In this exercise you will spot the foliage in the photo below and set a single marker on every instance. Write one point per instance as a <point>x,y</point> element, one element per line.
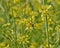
<point>29,23</point>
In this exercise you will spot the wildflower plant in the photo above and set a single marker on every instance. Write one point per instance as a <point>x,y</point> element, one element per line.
<point>29,24</point>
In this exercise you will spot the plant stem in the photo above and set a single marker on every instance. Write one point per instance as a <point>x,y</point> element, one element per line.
<point>15,29</point>
<point>47,33</point>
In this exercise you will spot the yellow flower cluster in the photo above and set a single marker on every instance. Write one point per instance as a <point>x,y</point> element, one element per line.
<point>6,25</point>
<point>4,45</point>
<point>22,38</point>
<point>14,11</point>
<point>29,11</point>
<point>33,45</point>
<point>39,25</point>
<point>29,23</point>
<point>15,1</point>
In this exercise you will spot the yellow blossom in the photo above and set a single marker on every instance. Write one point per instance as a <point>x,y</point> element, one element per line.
<point>38,25</point>
<point>5,25</point>
<point>49,0</point>
<point>23,38</point>
<point>33,45</point>
<point>15,1</point>
<point>50,21</point>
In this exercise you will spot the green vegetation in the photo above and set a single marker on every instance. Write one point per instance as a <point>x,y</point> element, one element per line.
<point>29,23</point>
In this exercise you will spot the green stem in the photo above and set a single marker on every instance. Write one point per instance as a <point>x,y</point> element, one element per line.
<point>47,33</point>
<point>15,34</point>
<point>15,29</point>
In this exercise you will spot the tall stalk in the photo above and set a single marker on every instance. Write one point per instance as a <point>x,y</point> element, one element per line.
<point>15,32</point>
<point>47,33</point>
<point>46,26</point>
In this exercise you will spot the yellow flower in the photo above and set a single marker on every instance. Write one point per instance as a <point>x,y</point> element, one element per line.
<point>27,9</point>
<point>37,5</point>
<point>13,11</point>
<point>15,1</point>
<point>39,25</point>
<point>50,21</point>
<point>48,7</point>
<point>26,40</point>
<point>23,20</point>
<point>42,18</point>
<point>50,28</point>
<point>49,0</point>
<point>14,14</point>
<point>4,45</point>
<point>57,28</point>
<point>23,38</point>
<point>6,25</point>
<point>33,45</point>
<point>7,46</point>
<point>33,13</point>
